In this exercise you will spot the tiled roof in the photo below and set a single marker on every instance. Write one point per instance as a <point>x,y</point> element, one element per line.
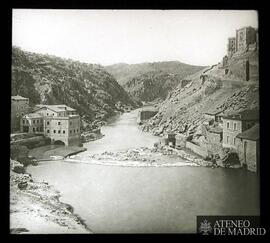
<point>18,97</point>
<point>57,108</point>
<point>246,115</point>
<point>33,115</point>
<point>213,112</point>
<point>215,129</point>
<point>251,134</point>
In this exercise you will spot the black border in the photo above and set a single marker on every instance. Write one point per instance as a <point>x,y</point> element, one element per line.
<point>125,4</point>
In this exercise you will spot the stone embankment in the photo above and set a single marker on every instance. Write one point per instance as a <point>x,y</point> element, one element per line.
<point>35,207</point>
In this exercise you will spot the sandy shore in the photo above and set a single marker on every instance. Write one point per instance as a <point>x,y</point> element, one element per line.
<point>35,208</point>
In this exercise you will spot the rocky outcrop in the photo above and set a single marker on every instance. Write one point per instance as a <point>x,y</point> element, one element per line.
<point>35,207</point>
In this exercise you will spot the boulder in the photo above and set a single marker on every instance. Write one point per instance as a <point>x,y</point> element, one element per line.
<point>19,169</point>
<point>22,185</point>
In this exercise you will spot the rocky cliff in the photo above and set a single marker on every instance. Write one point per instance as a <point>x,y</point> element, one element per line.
<point>86,87</point>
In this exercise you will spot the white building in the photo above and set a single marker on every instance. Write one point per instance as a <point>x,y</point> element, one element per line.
<point>58,122</point>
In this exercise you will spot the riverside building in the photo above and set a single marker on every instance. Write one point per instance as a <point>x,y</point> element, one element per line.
<point>58,122</point>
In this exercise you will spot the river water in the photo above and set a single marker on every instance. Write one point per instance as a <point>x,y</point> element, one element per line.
<point>114,199</point>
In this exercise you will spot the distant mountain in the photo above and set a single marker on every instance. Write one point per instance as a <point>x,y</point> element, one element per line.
<point>151,81</point>
<point>125,72</point>
<point>48,79</point>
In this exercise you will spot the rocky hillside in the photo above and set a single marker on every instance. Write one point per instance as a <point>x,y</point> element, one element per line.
<point>150,81</point>
<point>48,79</point>
<point>183,110</point>
<point>152,85</point>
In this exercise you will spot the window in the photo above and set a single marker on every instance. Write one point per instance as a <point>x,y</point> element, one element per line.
<point>74,131</point>
<point>234,126</point>
<point>64,131</point>
<point>59,123</point>
<point>34,121</point>
<point>227,139</point>
<point>234,141</point>
<point>59,131</point>
<point>70,131</point>
<point>37,129</point>
<point>34,129</point>
<point>77,130</point>
<point>54,131</point>
<point>48,123</point>
<point>37,121</point>
<point>53,114</point>
<point>228,125</point>
<point>23,121</point>
<point>48,131</point>
<point>70,123</point>
<point>47,114</point>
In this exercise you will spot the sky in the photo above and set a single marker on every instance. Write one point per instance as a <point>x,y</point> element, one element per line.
<point>105,37</point>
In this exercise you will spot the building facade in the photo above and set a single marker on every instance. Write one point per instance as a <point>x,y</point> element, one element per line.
<point>237,123</point>
<point>32,123</point>
<point>249,148</point>
<point>58,122</point>
<point>213,115</point>
<point>231,47</point>
<point>145,114</point>
<point>244,37</point>
<point>19,107</point>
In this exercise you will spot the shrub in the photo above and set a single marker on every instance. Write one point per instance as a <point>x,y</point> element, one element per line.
<point>18,152</point>
<point>231,158</point>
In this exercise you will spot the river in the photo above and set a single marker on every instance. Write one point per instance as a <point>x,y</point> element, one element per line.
<point>114,199</point>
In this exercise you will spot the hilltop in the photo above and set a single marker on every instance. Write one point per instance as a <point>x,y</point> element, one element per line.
<point>47,79</point>
<point>124,72</point>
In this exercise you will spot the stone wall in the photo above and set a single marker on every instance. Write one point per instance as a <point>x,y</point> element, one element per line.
<point>145,115</point>
<point>180,141</point>
<point>251,153</point>
<point>197,149</point>
<point>32,142</point>
<point>214,142</point>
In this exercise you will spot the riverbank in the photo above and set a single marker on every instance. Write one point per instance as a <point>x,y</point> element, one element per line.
<point>50,152</point>
<point>35,207</point>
